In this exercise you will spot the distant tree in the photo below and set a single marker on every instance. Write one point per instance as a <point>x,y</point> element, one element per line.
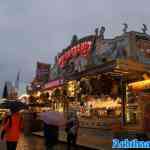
<point>5,92</point>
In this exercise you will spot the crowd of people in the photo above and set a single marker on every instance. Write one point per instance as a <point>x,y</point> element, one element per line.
<point>12,125</point>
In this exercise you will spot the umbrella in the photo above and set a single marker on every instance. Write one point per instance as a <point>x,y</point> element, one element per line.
<point>53,118</point>
<point>13,105</point>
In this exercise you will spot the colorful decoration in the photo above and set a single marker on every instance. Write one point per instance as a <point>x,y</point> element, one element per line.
<point>144,29</point>
<point>82,49</point>
<point>144,47</point>
<point>54,84</point>
<point>125,27</point>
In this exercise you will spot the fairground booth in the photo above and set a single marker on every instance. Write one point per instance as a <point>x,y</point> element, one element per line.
<point>105,80</point>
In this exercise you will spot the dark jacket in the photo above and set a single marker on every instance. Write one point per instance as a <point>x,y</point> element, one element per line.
<point>51,133</point>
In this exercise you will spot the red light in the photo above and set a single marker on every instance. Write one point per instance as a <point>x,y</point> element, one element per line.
<point>82,49</point>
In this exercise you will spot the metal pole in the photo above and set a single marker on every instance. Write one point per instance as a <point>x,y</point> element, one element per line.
<point>123,95</point>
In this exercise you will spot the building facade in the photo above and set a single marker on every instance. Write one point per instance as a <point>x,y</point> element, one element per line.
<point>98,73</point>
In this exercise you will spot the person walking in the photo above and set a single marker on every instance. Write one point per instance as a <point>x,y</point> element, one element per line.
<point>52,122</point>
<point>11,129</point>
<point>51,133</point>
<point>72,131</point>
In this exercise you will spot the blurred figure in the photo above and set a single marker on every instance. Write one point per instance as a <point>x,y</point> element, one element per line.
<point>72,130</point>
<point>51,133</point>
<point>52,122</point>
<point>11,129</point>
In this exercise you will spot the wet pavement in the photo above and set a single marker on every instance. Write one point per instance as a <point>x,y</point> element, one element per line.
<point>37,143</point>
<point>92,138</point>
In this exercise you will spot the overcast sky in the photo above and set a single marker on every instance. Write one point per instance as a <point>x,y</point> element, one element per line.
<point>35,30</point>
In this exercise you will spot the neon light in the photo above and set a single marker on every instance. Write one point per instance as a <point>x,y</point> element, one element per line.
<point>53,84</point>
<point>140,85</point>
<point>82,49</point>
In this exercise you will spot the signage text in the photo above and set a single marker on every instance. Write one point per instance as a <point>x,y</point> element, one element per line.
<point>82,49</point>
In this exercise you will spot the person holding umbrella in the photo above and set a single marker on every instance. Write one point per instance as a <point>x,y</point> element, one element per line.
<point>12,123</point>
<point>52,121</point>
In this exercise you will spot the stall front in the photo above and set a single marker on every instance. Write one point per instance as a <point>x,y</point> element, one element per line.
<point>54,88</point>
<point>137,105</point>
<point>102,69</point>
<point>103,91</point>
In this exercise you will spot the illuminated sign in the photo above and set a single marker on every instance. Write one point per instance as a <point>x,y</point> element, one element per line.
<point>141,85</point>
<point>81,49</point>
<point>54,84</point>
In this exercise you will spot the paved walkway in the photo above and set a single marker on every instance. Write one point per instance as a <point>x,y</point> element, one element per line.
<point>36,143</point>
<point>90,138</point>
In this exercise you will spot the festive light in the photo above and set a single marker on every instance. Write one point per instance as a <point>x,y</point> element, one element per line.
<point>82,49</point>
<point>140,85</point>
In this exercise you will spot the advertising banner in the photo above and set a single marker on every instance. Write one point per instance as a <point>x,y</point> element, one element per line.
<point>42,71</point>
<point>53,84</point>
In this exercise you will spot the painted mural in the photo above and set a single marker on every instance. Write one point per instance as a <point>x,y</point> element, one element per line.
<point>74,58</point>
<point>143,48</point>
<point>94,50</point>
<point>107,50</point>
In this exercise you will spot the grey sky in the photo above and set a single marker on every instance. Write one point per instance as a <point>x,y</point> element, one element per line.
<point>32,30</point>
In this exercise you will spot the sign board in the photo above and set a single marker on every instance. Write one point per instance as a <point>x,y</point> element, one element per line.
<point>81,49</point>
<point>54,84</point>
<point>42,71</point>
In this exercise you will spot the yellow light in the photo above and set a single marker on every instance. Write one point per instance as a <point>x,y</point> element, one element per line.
<point>140,85</point>
<point>38,93</point>
<point>146,77</point>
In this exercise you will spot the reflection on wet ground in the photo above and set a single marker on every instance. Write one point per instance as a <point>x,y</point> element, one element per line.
<point>36,143</point>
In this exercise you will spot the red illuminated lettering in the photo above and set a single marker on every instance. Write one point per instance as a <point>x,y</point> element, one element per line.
<point>69,54</point>
<point>78,48</point>
<point>75,53</point>
<point>72,52</point>
<point>82,49</point>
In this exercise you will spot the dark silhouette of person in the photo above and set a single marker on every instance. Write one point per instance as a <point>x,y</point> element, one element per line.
<point>51,133</point>
<point>72,131</point>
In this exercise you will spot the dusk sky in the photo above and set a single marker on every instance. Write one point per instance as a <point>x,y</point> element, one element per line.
<point>35,30</point>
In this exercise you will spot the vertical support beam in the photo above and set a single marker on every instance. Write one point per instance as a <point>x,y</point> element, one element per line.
<point>123,96</point>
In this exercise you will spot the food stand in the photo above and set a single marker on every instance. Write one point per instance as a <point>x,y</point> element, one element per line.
<point>97,72</point>
<point>138,105</point>
<point>120,65</point>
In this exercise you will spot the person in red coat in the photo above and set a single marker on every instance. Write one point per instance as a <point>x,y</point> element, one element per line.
<point>11,127</point>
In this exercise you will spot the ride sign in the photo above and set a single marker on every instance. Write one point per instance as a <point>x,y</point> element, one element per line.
<point>82,49</point>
